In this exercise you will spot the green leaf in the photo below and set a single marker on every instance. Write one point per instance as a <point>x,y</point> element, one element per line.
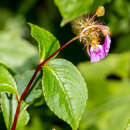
<point>7,83</point>
<point>17,52</point>
<point>36,88</point>
<point>9,102</point>
<point>48,44</point>
<point>109,93</point>
<point>64,91</point>
<point>8,106</point>
<point>71,9</point>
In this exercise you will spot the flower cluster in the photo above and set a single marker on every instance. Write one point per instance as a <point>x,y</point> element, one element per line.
<point>91,32</point>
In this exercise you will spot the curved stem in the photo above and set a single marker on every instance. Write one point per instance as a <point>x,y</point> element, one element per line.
<point>32,79</point>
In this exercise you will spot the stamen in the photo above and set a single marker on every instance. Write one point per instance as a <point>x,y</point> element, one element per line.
<point>92,18</point>
<point>95,42</point>
<point>85,29</point>
<point>88,50</point>
<point>99,12</point>
<point>104,30</point>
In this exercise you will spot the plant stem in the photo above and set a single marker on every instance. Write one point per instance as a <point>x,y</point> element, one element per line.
<point>16,117</point>
<point>32,79</point>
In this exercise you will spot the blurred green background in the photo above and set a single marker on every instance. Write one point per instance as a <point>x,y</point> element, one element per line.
<point>108,82</point>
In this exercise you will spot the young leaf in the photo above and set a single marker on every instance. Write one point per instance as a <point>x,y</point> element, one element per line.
<point>7,83</point>
<point>8,106</point>
<point>64,90</point>
<point>71,9</point>
<point>48,44</point>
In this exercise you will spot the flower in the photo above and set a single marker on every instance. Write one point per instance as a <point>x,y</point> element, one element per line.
<point>91,32</point>
<point>100,51</point>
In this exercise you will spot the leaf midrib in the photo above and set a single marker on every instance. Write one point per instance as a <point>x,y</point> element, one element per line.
<point>65,92</point>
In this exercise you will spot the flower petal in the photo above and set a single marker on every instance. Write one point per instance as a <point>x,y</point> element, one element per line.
<point>107,43</point>
<point>97,54</point>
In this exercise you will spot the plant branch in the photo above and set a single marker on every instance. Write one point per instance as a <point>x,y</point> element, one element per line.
<point>16,116</point>
<point>32,79</point>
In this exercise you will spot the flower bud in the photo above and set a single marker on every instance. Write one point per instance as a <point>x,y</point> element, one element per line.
<point>100,11</point>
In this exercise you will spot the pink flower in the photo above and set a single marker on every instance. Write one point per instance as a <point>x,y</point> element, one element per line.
<point>91,32</point>
<point>98,53</point>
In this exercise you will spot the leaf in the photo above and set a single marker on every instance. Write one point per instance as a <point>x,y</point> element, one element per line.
<point>7,83</point>
<point>109,93</point>
<point>71,9</point>
<point>64,91</point>
<point>48,44</point>
<point>9,102</point>
<point>35,90</point>
<point>8,106</point>
<point>16,52</point>
<point>17,22</point>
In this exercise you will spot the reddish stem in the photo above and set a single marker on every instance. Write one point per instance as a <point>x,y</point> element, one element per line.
<point>32,79</point>
<point>16,117</point>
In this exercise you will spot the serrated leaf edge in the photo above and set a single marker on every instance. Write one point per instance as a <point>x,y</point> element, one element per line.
<point>67,99</point>
<point>74,128</point>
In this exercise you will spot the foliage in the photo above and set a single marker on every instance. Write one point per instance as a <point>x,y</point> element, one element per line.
<point>111,86</point>
<point>14,50</point>
<point>65,95</point>
<point>64,90</point>
<point>8,106</point>
<point>59,90</point>
<point>71,9</point>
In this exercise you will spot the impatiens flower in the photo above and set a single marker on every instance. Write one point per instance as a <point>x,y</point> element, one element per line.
<point>91,32</point>
<point>100,51</point>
